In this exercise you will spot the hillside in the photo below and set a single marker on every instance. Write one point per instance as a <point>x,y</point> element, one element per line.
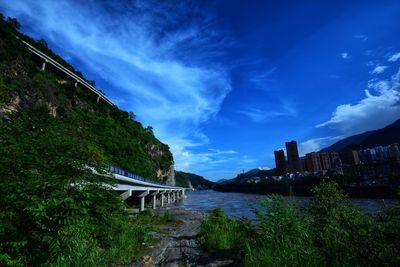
<point>199,182</point>
<point>33,97</point>
<point>381,137</point>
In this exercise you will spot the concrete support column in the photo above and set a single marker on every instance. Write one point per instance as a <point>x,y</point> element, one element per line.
<point>154,199</point>
<point>142,200</point>
<point>162,199</point>
<point>44,65</point>
<point>154,202</point>
<point>142,204</point>
<point>76,84</point>
<point>98,99</point>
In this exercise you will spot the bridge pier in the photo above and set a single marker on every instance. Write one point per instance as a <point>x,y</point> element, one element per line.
<point>142,200</point>
<point>76,84</point>
<point>162,198</point>
<point>44,65</point>
<point>154,199</point>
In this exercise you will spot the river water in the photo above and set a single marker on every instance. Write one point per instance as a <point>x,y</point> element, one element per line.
<point>237,204</point>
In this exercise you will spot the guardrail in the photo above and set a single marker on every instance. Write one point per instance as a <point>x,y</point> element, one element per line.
<point>122,172</point>
<point>66,71</point>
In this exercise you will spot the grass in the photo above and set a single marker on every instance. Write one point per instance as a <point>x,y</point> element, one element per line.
<point>330,231</point>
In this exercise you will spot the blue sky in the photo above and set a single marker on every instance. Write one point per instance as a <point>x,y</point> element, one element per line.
<point>225,82</point>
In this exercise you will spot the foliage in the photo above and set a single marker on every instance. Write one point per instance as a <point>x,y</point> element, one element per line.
<point>219,232</point>
<point>330,231</point>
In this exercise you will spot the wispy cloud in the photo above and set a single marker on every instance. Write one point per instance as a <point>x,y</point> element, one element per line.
<point>375,110</point>
<point>260,116</point>
<point>345,55</point>
<point>379,69</point>
<point>361,37</point>
<point>394,57</point>
<point>166,74</point>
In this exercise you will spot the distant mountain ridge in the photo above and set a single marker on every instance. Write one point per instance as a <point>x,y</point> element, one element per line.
<point>185,179</point>
<point>380,137</point>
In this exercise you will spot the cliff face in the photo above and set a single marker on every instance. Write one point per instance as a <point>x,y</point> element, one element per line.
<point>113,133</point>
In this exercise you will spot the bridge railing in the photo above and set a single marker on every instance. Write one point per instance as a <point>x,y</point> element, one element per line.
<point>122,172</point>
<point>48,59</point>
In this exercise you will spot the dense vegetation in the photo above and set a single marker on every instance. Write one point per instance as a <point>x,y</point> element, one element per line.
<point>119,139</point>
<point>55,211</point>
<point>184,178</point>
<point>330,231</point>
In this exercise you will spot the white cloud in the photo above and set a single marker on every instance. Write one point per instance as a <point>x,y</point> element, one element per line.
<point>361,37</point>
<point>379,69</point>
<point>394,57</point>
<point>379,107</point>
<point>316,144</point>
<point>344,55</point>
<point>221,152</point>
<point>165,74</point>
<point>260,116</point>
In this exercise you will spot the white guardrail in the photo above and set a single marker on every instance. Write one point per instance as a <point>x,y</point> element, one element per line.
<point>67,72</point>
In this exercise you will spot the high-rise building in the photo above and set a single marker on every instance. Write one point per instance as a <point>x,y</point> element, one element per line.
<point>325,160</point>
<point>280,162</point>
<point>350,157</point>
<point>312,162</point>
<point>294,164</point>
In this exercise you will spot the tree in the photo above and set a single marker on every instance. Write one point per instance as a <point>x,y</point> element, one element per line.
<point>92,83</point>
<point>131,116</point>
<point>13,22</point>
<point>42,42</point>
<point>149,130</point>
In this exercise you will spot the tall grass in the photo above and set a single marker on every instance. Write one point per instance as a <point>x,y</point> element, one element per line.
<point>330,231</point>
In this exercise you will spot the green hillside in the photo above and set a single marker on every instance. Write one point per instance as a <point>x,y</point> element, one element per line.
<point>112,133</point>
<point>183,179</point>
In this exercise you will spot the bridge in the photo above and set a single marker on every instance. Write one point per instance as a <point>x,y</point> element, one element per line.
<point>133,186</point>
<point>78,80</point>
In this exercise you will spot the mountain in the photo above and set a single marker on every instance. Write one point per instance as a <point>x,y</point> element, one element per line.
<point>184,179</point>
<point>35,101</point>
<point>221,181</point>
<point>381,137</point>
<point>253,174</point>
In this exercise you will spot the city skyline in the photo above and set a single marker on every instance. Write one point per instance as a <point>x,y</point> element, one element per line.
<point>224,83</point>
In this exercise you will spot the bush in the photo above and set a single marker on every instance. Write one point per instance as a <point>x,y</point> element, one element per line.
<point>330,231</point>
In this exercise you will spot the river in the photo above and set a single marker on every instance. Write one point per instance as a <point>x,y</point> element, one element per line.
<point>237,204</point>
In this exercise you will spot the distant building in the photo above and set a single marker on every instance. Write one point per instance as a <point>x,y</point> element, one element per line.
<point>303,162</point>
<point>294,164</point>
<point>394,150</point>
<point>325,160</point>
<point>350,157</point>
<point>312,162</point>
<point>280,162</point>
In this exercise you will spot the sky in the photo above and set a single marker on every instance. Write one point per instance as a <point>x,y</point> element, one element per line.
<point>225,83</point>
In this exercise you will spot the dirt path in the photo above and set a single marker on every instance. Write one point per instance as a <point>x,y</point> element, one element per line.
<point>180,246</point>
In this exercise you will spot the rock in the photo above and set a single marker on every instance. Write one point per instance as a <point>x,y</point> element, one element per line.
<point>147,261</point>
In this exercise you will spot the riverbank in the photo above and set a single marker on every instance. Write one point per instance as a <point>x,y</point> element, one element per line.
<point>180,245</point>
<point>285,189</point>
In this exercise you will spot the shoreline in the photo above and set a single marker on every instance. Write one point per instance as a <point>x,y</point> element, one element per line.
<point>180,246</point>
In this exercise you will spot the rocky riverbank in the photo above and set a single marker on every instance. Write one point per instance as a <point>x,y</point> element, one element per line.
<point>180,246</point>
